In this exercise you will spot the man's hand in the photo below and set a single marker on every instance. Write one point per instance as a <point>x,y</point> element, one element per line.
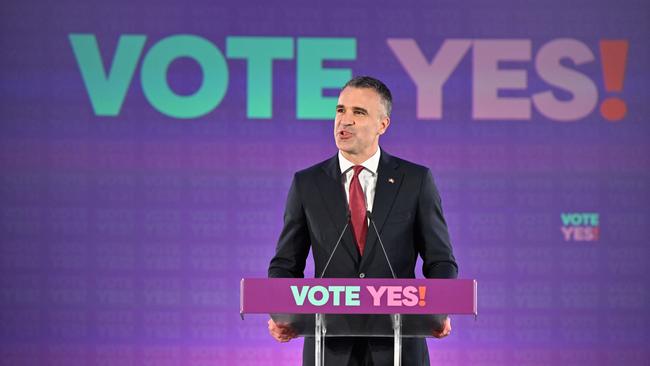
<point>445,331</point>
<point>281,332</point>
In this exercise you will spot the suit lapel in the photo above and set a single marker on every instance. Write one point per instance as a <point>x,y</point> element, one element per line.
<point>333,195</point>
<point>389,180</point>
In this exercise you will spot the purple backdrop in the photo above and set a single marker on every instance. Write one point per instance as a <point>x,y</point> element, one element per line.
<point>123,239</point>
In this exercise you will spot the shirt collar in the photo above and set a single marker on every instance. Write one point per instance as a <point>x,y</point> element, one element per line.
<point>372,164</point>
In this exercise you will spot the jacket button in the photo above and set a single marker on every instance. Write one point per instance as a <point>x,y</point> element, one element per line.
<point>362,275</point>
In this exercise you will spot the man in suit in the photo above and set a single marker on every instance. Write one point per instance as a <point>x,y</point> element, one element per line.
<point>405,207</point>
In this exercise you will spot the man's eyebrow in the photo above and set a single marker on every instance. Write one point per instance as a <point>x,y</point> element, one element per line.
<point>353,108</point>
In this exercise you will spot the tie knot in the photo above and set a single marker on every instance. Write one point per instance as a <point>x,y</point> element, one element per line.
<point>357,170</point>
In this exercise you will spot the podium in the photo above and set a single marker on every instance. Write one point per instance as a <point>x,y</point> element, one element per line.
<point>350,307</point>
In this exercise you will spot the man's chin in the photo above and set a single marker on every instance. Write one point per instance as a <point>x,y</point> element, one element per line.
<point>341,145</point>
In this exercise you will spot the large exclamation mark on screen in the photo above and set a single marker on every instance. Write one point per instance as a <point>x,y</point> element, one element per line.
<point>613,56</point>
<point>423,295</point>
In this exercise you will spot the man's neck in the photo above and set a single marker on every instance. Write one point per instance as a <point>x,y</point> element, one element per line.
<point>359,159</point>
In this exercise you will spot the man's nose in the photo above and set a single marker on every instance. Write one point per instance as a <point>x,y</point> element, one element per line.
<point>347,119</point>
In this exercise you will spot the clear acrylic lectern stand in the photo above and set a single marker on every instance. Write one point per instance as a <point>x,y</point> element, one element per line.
<point>321,326</point>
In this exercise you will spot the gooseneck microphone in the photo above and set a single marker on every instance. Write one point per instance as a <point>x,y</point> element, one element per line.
<point>372,222</point>
<point>347,223</point>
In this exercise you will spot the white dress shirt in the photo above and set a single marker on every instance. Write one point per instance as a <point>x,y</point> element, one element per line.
<point>367,177</point>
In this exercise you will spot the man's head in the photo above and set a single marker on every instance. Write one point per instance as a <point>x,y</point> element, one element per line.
<point>362,115</point>
<point>368,82</point>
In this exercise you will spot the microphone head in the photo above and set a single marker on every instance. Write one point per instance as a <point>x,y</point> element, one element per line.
<point>369,215</point>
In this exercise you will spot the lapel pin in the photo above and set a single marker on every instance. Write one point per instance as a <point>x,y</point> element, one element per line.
<point>391,180</point>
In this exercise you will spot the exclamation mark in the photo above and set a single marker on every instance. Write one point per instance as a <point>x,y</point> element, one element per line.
<point>423,295</point>
<point>613,56</point>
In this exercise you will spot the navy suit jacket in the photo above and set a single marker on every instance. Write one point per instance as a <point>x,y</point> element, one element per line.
<point>408,214</point>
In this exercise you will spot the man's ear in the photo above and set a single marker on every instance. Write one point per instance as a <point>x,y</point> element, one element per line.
<point>384,123</point>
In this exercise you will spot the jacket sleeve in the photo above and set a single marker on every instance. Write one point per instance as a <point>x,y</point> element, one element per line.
<point>293,245</point>
<point>431,236</point>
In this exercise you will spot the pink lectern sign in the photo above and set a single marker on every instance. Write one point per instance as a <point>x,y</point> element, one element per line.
<point>357,296</point>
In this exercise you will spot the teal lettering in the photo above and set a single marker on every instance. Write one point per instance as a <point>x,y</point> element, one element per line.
<point>566,218</point>
<point>106,90</point>
<point>107,86</point>
<point>312,296</point>
<point>260,53</point>
<point>312,77</point>
<point>575,219</point>
<point>352,296</point>
<point>154,76</point>
<point>299,296</point>
<point>336,294</point>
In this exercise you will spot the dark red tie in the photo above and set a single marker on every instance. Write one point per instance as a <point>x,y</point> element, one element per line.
<point>358,210</point>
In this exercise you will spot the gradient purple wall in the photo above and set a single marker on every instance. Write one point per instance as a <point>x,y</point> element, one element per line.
<point>123,239</point>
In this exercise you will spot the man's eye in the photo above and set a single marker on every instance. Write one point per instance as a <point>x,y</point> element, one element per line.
<point>359,112</point>
<point>339,110</point>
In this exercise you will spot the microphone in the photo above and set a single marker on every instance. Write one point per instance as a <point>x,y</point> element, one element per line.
<point>369,214</point>
<point>347,223</point>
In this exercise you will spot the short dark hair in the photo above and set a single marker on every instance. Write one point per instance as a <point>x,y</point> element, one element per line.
<point>376,85</point>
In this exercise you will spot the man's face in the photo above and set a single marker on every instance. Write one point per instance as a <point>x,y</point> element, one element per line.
<point>360,120</point>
